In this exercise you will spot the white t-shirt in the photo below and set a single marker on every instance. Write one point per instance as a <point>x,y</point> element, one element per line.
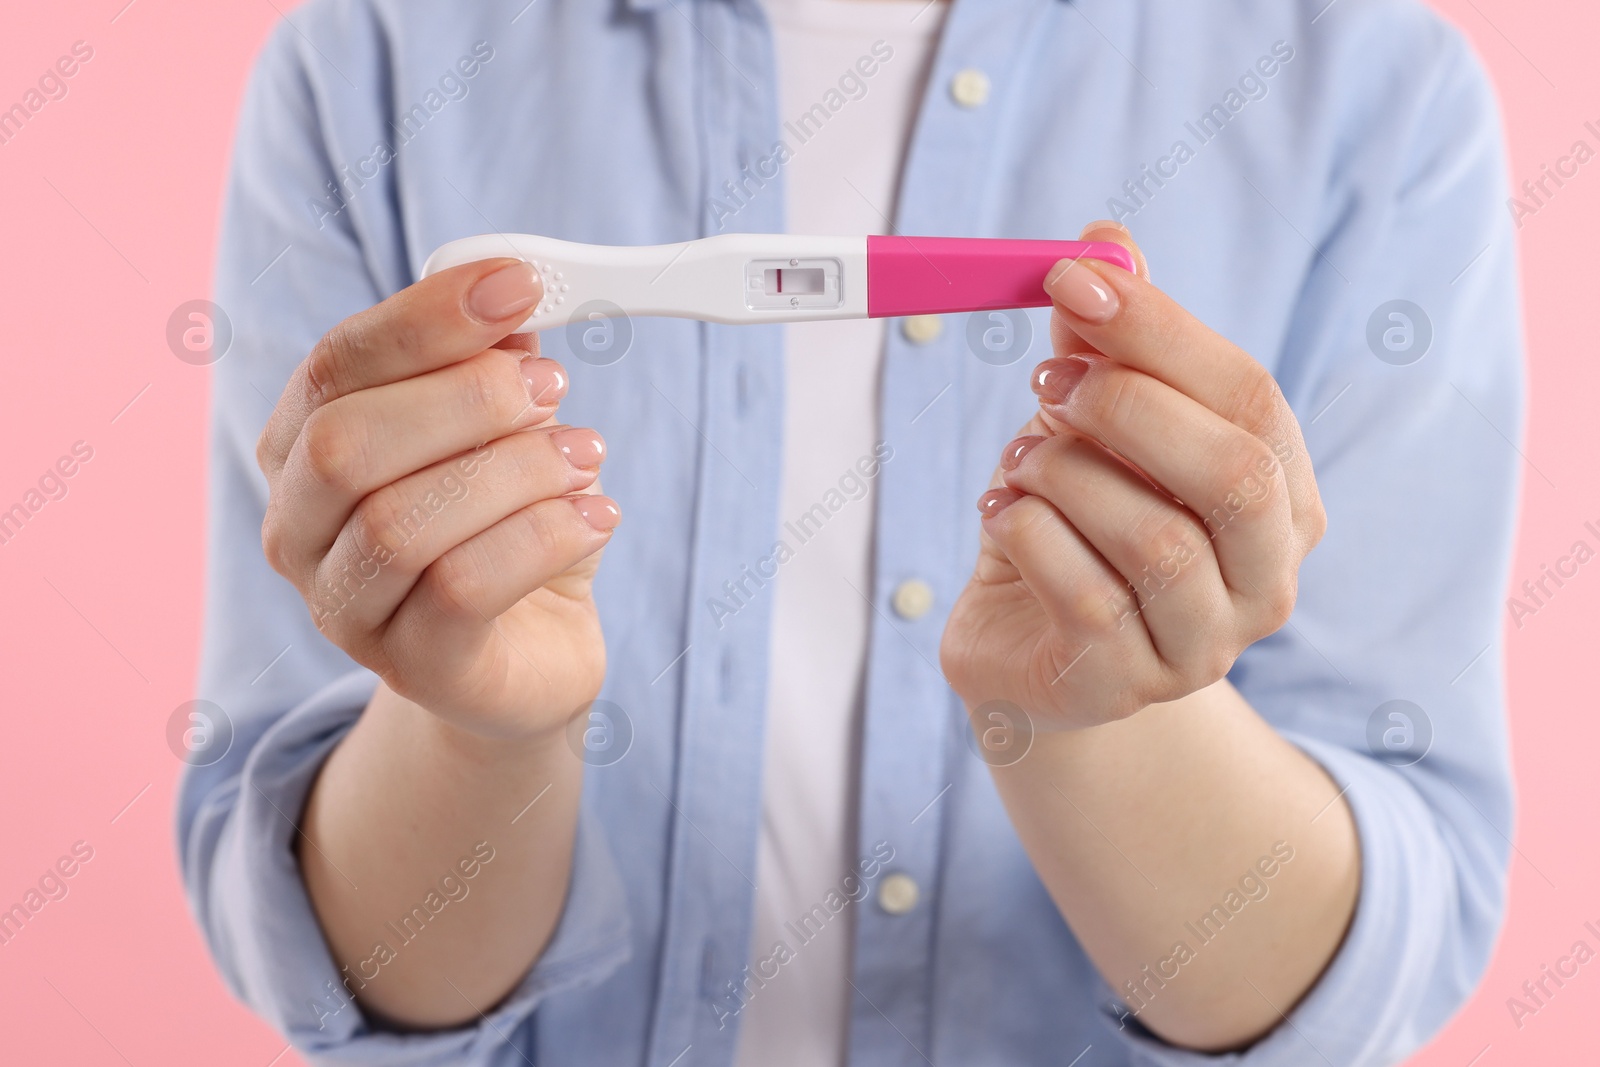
<point>841,178</point>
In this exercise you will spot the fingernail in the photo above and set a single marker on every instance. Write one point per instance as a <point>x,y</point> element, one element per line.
<point>545,379</point>
<point>1105,224</point>
<point>995,501</point>
<point>583,447</point>
<point>601,512</point>
<point>509,290</point>
<point>1055,379</point>
<point>1075,286</point>
<point>1011,455</point>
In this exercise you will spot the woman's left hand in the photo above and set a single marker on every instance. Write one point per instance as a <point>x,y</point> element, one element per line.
<point>1147,526</point>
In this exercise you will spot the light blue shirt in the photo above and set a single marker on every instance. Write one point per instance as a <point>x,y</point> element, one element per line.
<point>1284,209</point>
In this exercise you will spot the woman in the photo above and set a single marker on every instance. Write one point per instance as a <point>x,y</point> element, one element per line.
<point>771,773</point>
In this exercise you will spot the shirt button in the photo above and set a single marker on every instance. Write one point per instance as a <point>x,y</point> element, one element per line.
<point>898,893</point>
<point>970,87</point>
<point>912,599</point>
<point>922,329</point>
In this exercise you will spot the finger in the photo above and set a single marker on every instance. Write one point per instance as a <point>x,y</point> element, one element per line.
<point>993,566</point>
<point>1116,232</point>
<point>1158,547</point>
<point>1087,602</point>
<point>1127,319</point>
<point>458,598</point>
<point>1061,334</point>
<point>361,442</point>
<point>440,320</point>
<point>402,529</point>
<point>1231,480</point>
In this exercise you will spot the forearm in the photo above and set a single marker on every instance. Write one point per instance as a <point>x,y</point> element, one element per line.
<point>400,804</point>
<point>1140,828</point>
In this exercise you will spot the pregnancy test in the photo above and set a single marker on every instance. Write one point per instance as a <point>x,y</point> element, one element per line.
<point>758,277</point>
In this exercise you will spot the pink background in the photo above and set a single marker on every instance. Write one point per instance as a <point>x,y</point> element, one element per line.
<point>110,200</point>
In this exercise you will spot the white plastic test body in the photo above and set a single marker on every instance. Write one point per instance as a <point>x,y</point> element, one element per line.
<point>731,278</point>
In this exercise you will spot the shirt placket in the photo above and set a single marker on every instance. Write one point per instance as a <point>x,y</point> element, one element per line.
<point>912,725</point>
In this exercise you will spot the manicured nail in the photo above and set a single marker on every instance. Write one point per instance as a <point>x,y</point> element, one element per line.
<point>509,290</point>
<point>601,512</point>
<point>546,381</point>
<point>1075,285</point>
<point>995,501</point>
<point>1055,379</point>
<point>1011,455</point>
<point>583,447</point>
<point>1105,224</point>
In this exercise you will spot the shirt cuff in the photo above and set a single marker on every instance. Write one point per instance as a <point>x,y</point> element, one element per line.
<point>1367,1007</point>
<point>265,934</point>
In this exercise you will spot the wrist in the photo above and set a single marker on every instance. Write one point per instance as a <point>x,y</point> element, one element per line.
<point>476,749</point>
<point>988,713</point>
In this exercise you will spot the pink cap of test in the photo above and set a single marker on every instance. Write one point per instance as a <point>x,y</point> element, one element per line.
<point>941,275</point>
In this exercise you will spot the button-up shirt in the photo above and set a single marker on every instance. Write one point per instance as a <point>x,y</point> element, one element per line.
<point>1320,183</point>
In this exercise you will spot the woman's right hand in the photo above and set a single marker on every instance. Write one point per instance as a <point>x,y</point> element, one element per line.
<point>432,512</point>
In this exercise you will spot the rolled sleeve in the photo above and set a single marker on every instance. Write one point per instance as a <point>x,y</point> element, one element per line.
<point>1380,991</point>
<point>255,910</point>
<point>1402,601</point>
<point>284,695</point>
